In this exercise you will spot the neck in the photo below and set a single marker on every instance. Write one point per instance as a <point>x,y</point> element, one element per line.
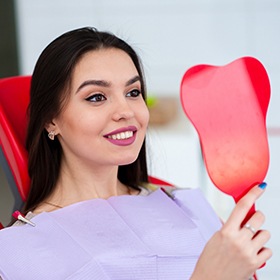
<point>82,183</point>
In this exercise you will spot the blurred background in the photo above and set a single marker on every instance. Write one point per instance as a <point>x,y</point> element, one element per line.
<point>170,37</point>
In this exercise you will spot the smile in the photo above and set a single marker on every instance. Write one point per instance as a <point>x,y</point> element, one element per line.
<point>121,136</point>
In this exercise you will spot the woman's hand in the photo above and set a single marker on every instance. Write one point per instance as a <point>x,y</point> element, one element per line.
<point>236,252</point>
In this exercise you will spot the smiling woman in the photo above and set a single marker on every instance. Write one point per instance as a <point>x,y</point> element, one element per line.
<point>93,85</point>
<point>93,213</point>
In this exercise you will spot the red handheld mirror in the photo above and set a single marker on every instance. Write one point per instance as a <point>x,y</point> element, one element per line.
<point>227,105</point>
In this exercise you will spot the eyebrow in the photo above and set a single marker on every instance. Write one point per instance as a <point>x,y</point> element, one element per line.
<point>133,80</point>
<point>103,83</point>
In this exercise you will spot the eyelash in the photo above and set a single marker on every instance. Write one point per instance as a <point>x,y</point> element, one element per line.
<point>137,91</point>
<point>99,97</point>
<point>94,96</point>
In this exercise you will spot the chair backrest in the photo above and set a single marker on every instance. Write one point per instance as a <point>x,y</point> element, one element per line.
<point>14,100</point>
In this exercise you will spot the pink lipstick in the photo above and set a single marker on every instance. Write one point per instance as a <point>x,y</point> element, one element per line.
<point>123,136</point>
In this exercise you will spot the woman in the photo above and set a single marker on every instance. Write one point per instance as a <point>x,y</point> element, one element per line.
<point>95,215</point>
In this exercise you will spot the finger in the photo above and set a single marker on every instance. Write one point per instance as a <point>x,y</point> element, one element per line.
<point>260,239</point>
<point>263,256</point>
<point>244,205</point>
<point>254,224</point>
<point>250,228</point>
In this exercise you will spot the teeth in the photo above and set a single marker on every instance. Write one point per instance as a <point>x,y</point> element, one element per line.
<point>122,135</point>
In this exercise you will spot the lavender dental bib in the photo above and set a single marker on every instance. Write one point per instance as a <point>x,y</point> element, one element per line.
<point>124,237</point>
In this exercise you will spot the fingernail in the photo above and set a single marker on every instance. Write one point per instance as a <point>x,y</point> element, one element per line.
<point>263,185</point>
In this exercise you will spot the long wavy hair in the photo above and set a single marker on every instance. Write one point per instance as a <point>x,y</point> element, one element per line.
<point>50,80</point>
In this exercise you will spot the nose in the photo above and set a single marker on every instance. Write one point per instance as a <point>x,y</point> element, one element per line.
<point>122,110</point>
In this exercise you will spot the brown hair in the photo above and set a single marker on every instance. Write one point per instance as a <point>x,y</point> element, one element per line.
<point>50,79</point>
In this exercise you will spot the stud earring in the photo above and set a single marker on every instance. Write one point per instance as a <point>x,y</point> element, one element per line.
<point>51,135</point>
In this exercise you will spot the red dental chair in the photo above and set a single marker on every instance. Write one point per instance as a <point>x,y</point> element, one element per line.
<point>14,99</point>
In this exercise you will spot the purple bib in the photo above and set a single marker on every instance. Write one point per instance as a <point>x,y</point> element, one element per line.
<point>123,237</point>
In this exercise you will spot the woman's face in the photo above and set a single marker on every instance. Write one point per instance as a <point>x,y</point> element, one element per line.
<point>105,119</point>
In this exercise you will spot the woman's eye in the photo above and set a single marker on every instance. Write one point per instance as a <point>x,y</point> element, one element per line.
<point>133,93</point>
<point>96,98</point>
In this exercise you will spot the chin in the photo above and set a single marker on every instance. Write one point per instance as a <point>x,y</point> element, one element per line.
<point>126,161</point>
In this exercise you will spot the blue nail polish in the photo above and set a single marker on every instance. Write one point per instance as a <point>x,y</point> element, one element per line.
<point>263,185</point>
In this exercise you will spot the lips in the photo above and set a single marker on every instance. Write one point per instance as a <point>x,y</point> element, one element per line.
<point>123,136</point>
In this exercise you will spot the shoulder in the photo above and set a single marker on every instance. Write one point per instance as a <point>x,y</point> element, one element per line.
<point>194,205</point>
<point>148,188</point>
<point>171,190</point>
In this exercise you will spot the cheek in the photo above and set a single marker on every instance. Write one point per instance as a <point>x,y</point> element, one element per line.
<point>90,125</point>
<point>77,124</point>
<point>144,115</point>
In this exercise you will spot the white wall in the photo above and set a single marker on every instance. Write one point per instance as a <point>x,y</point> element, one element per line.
<point>171,36</point>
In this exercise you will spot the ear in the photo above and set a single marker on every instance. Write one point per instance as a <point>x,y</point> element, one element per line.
<point>52,127</point>
<point>52,130</point>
